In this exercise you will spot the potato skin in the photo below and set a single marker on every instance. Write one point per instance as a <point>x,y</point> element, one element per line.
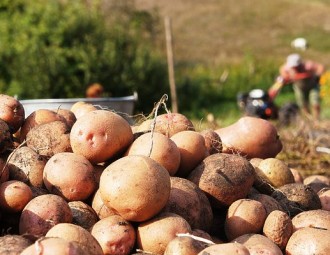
<point>296,198</point>
<point>13,244</point>
<point>83,214</point>
<point>189,201</point>
<point>74,233</point>
<point>100,136</point>
<point>184,245</point>
<point>49,138</point>
<point>69,175</point>
<point>258,244</point>
<point>119,240</point>
<point>42,213</point>
<point>224,249</point>
<point>224,178</point>
<point>27,165</point>
<point>154,235</point>
<point>244,216</point>
<point>135,186</point>
<point>251,137</point>
<point>312,218</point>
<point>308,241</point>
<point>278,227</point>
<point>12,112</point>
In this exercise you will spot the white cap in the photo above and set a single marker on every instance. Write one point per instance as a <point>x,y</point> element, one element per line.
<point>293,60</point>
<point>299,43</point>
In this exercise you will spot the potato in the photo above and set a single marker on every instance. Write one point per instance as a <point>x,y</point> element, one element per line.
<point>317,182</point>
<point>225,248</point>
<point>251,137</point>
<point>312,218</point>
<point>135,186</point>
<point>270,203</point>
<point>296,198</point>
<point>324,195</point>
<point>13,244</point>
<point>14,195</point>
<point>155,234</point>
<point>100,208</point>
<point>27,165</point>
<point>244,216</point>
<point>224,178</point>
<point>278,228</point>
<point>52,246</point>
<point>68,115</point>
<point>38,117</point>
<point>192,149</point>
<point>158,147</point>
<point>189,201</point>
<point>100,135</point>
<point>83,214</point>
<point>275,172</point>
<point>258,244</point>
<point>80,108</point>
<point>115,235</point>
<point>42,213</point>
<point>74,233</point>
<point>307,241</point>
<point>297,175</point>
<point>6,141</point>
<point>4,170</point>
<point>171,123</point>
<point>49,138</point>
<point>185,245</point>
<point>12,112</point>
<point>69,175</point>
<point>213,141</point>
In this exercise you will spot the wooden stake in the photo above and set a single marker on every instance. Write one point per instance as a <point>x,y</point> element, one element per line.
<point>170,63</point>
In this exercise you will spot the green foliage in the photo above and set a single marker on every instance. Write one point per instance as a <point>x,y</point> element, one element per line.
<point>55,49</point>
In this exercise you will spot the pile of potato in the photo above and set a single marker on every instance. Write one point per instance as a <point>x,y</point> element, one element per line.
<point>86,181</point>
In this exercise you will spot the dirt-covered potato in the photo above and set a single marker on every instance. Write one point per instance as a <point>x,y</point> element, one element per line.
<point>4,170</point>
<point>83,214</point>
<point>307,241</point>
<point>317,182</point>
<point>278,228</point>
<point>296,198</point>
<point>121,237</point>
<point>49,138</point>
<point>6,141</point>
<point>312,218</point>
<point>74,233</point>
<point>213,141</point>
<point>27,165</point>
<point>224,178</point>
<point>42,213</point>
<point>324,195</point>
<point>38,117</point>
<point>189,201</point>
<point>13,244</point>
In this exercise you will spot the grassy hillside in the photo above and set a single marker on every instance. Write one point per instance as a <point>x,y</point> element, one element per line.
<point>219,31</point>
